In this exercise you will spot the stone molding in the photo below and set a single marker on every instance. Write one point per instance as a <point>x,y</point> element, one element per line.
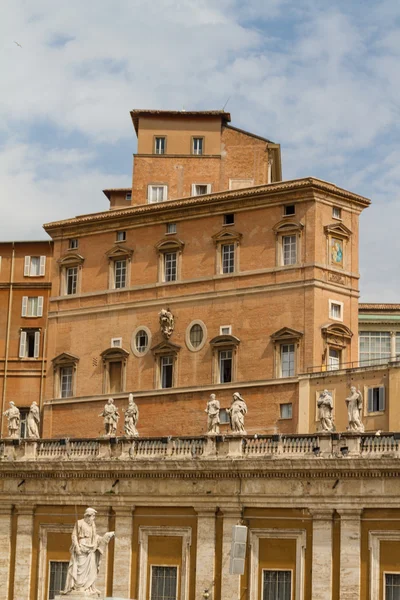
<point>374,542</point>
<point>288,534</point>
<point>144,533</point>
<point>44,530</point>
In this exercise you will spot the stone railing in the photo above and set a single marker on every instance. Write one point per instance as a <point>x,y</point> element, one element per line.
<point>337,445</point>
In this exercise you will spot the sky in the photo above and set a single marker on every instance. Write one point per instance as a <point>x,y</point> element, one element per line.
<point>320,78</point>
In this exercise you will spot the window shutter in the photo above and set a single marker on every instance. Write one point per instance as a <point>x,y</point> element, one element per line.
<point>382,398</point>
<point>22,344</point>
<point>40,306</point>
<point>27,266</point>
<point>42,265</point>
<point>370,400</point>
<point>208,188</point>
<point>193,189</point>
<point>37,344</point>
<point>24,305</point>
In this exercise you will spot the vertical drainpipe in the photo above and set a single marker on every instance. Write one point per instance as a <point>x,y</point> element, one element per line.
<point>7,338</point>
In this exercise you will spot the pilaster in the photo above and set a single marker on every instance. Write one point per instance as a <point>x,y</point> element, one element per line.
<point>230,584</point>
<point>23,553</point>
<point>350,553</point>
<point>5,545</point>
<point>123,552</point>
<point>205,552</point>
<point>322,554</point>
<point>101,528</point>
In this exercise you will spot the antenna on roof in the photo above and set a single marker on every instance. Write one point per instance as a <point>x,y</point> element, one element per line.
<point>226,103</point>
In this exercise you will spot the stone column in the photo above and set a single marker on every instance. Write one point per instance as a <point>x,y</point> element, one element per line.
<point>23,553</point>
<point>322,554</point>
<point>205,552</point>
<point>230,584</point>
<point>350,553</point>
<point>101,528</point>
<point>392,345</point>
<point>123,552</point>
<point>5,545</point>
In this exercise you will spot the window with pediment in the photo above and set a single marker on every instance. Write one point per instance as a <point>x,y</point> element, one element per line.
<point>169,259</point>
<point>166,360</point>
<point>114,369</point>
<point>227,244</point>
<point>225,356</point>
<point>286,352</point>
<point>70,274</point>
<point>65,369</point>
<point>288,242</point>
<point>119,258</point>
<point>337,238</point>
<point>337,340</point>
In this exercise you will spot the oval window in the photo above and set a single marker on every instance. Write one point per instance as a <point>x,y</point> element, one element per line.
<point>196,335</point>
<point>141,341</point>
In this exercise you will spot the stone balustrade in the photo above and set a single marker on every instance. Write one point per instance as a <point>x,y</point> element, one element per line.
<point>339,445</point>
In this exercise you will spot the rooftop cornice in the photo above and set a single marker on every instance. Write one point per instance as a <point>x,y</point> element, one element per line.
<point>148,112</point>
<point>268,190</point>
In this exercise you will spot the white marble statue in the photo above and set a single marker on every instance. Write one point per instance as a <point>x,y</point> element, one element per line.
<point>325,409</point>
<point>237,412</point>
<point>14,421</point>
<point>354,410</point>
<point>111,416</point>
<point>212,411</point>
<point>86,551</point>
<point>33,422</point>
<point>131,418</point>
<point>167,322</point>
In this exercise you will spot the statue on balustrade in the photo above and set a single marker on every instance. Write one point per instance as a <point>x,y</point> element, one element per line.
<point>354,404</point>
<point>86,551</point>
<point>237,412</point>
<point>111,416</point>
<point>325,410</point>
<point>131,418</point>
<point>14,421</point>
<point>33,422</point>
<point>212,411</point>
<point>167,322</point>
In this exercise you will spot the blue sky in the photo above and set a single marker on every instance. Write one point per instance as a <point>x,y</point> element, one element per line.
<point>321,78</point>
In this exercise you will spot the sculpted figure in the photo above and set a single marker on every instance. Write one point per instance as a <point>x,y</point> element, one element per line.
<point>325,408</point>
<point>212,411</point>
<point>167,322</point>
<point>111,416</point>
<point>354,410</point>
<point>33,422</point>
<point>131,418</point>
<point>14,421</point>
<point>237,412</point>
<point>86,551</point>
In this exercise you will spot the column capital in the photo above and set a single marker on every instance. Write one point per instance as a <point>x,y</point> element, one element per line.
<point>231,513</point>
<point>124,511</point>
<point>349,514</point>
<point>205,511</point>
<point>23,509</point>
<point>6,509</point>
<point>321,514</point>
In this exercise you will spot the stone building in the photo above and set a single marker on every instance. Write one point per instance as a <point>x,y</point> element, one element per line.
<point>209,275</point>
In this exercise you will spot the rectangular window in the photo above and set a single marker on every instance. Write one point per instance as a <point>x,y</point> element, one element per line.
<point>120,273</point>
<point>170,266</point>
<point>57,577</point>
<point>200,189</point>
<point>115,374</point>
<point>286,410</point>
<point>171,227</point>
<point>376,399</point>
<point>116,342</point>
<point>121,236</point>
<point>225,366</point>
<point>23,415</point>
<point>289,250</point>
<point>73,244</point>
<point>128,196</point>
<point>32,306</point>
<point>289,209</point>
<point>159,145</point>
<point>334,358</point>
<point>164,582</point>
<point>392,586</point>
<point>34,266</point>
<point>336,310</point>
<point>198,145</point>
<point>157,193</point>
<point>375,347</point>
<point>287,360</point>
<point>229,219</point>
<point>277,585</point>
<point>166,368</point>
<point>71,280</point>
<point>225,330</point>
<point>336,212</point>
<point>223,416</point>
<point>228,258</point>
<point>66,375</point>
<point>29,343</point>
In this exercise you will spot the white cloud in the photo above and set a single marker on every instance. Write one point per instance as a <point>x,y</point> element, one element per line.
<point>320,78</point>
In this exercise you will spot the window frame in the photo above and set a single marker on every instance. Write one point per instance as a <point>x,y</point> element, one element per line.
<point>165,348</point>
<point>114,354</point>
<point>162,366</point>
<point>187,335</point>
<point>208,187</point>
<point>133,341</point>
<point>331,366</point>
<point>162,186</point>
<point>160,137</point>
<point>381,399</point>
<point>73,243</point>
<point>219,344</point>
<point>164,566</point>
<point>288,228</point>
<point>23,343</point>
<point>70,261</point>
<point>120,236</point>
<point>28,266</point>
<point>170,266</point>
<point>193,151</point>
<point>341,306</point>
<point>115,255</point>
<point>173,228</point>
<point>225,219</point>
<point>66,562</point>
<point>231,263</point>
<point>116,339</point>
<point>163,248</point>
<point>286,336</point>
<point>61,361</point>
<point>281,417</point>
<point>286,207</point>
<point>376,336</point>
<point>23,415</point>
<point>275,570</point>
<point>25,307</point>
<point>339,215</point>
<point>122,275</point>
<point>281,347</point>
<point>290,237</point>
<point>71,387</point>
<point>384,581</point>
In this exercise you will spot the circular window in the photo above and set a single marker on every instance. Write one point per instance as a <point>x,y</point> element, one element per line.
<point>141,339</point>
<point>196,335</point>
